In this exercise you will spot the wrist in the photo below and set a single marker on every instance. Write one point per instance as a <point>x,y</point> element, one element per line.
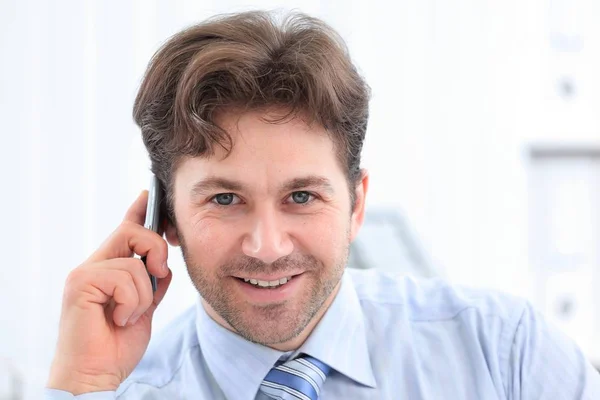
<point>78,383</point>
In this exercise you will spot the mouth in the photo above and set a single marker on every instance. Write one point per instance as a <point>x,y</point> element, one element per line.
<point>270,289</point>
<point>268,284</point>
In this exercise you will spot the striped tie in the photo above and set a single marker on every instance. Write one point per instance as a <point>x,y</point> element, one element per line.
<point>300,378</point>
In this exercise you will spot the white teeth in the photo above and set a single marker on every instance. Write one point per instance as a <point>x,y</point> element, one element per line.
<point>278,282</point>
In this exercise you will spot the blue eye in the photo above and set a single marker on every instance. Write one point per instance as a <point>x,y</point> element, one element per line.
<point>224,199</point>
<point>301,197</point>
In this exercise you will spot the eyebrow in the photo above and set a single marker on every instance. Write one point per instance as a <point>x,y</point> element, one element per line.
<point>312,181</point>
<point>212,184</point>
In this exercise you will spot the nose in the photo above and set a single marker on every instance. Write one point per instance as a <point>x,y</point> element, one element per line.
<point>267,239</point>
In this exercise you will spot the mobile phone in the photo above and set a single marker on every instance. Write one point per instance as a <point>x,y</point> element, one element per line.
<point>153,215</point>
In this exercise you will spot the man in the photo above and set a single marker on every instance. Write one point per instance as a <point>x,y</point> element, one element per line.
<point>255,129</point>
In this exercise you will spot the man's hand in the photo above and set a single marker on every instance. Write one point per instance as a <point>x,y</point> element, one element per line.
<point>107,308</point>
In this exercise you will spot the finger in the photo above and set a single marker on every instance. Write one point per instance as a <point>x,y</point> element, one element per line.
<point>163,286</point>
<point>137,211</point>
<point>130,238</point>
<point>126,299</point>
<point>100,286</point>
<point>136,268</point>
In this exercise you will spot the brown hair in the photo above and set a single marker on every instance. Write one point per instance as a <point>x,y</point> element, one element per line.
<point>249,61</point>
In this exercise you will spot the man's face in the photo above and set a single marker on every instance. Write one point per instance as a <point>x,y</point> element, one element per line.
<point>265,231</point>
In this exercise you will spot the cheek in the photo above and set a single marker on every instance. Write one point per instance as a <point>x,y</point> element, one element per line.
<point>208,242</point>
<point>326,239</point>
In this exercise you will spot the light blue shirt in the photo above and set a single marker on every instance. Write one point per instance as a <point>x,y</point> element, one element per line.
<point>384,338</point>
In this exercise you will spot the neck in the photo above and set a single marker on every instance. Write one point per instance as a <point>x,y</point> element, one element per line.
<point>295,342</point>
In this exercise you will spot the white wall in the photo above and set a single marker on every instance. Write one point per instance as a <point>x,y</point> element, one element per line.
<point>459,89</point>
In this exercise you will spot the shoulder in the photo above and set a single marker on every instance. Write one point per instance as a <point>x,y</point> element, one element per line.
<point>166,354</point>
<point>432,299</point>
<point>465,316</point>
<point>470,330</point>
<point>489,335</point>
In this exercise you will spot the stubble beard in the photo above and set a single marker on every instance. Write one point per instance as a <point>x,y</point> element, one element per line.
<point>269,324</point>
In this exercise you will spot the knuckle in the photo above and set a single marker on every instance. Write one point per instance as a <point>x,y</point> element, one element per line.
<point>71,284</point>
<point>127,224</point>
<point>134,263</point>
<point>124,229</point>
<point>127,288</point>
<point>132,291</point>
<point>124,277</point>
<point>75,281</point>
<point>75,276</point>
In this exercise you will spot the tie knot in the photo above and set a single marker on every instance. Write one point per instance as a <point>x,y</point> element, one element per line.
<point>300,378</point>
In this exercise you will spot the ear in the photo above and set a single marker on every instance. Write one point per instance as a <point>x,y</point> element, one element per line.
<point>171,234</point>
<point>358,214</point>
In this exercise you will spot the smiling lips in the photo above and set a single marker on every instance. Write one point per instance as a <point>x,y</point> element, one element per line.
<point>270,289</point>
<point>268,284</point>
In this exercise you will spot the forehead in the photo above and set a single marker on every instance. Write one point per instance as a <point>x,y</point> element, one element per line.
<point>267,153</point>
<point>255,133</point>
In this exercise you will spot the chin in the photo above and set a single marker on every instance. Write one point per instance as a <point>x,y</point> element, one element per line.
<point>269,325</point>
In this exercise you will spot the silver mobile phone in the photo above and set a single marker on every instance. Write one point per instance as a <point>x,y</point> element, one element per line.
<point>153,215</point>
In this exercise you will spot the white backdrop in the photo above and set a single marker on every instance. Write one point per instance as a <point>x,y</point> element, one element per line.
<point>460,89</point>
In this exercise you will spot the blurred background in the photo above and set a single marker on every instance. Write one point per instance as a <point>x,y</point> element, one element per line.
<point>483,147</point>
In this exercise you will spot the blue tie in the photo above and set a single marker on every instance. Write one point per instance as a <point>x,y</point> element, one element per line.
<point>300,378</point>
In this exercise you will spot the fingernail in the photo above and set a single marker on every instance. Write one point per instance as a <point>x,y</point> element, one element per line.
<point>165,268</point>
<point>124,322</point>
<point>134,319</point>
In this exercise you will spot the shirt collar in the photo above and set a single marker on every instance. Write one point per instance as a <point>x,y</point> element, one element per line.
<point>238,365</point>
<point>339,340</point>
